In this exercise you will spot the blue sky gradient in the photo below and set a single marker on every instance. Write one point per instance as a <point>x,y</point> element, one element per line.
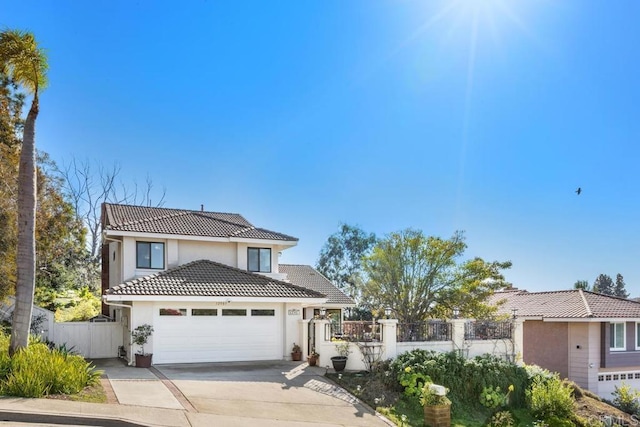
<point>483,116</point>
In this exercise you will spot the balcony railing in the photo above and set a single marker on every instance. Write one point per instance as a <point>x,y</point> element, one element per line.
<point>487,330</point>
<point>424,331</point>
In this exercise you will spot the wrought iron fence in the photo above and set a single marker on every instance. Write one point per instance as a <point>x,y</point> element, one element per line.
<point>424,331</point>
<point>355,331</point>
<point>487,330</point>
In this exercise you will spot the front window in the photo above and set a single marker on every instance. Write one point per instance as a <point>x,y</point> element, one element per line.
<point>616,336</point>
<point>150,255</point>
<point>637,336</point>
<point>259,260</point>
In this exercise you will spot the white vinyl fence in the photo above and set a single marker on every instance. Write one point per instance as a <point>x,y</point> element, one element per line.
<point>93,340</point>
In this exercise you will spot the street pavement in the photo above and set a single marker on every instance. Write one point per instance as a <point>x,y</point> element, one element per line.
<point>270,394</point>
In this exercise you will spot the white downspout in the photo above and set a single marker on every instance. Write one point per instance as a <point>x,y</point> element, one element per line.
<point>130,307</point>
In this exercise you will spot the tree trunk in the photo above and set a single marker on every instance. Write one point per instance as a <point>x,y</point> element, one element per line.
<point>26,254</point>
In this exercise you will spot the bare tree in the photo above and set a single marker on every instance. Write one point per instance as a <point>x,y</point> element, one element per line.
<point>88,185</point>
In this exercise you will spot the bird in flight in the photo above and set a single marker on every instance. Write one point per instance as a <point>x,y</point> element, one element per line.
<point>578,191</point>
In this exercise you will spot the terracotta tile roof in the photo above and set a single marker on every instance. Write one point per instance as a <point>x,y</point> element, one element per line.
<point>211,279</point>
<point>573,303</point>
<point>144,219</point>
<point>308,277</point>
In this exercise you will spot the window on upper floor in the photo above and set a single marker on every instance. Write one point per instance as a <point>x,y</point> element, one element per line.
<point>150,255</point>
<point>259,260</point>
<point>637,335</point>
<point>617,336</point>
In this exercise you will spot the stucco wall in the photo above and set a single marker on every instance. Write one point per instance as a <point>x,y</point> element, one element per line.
<point>224,253</point>
<point>545,344</point>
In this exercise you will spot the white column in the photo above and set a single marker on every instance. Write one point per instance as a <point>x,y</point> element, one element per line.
<point>518,340</point>
<point>323,346</point>
<point>457,333</point>
<point>389,337</point>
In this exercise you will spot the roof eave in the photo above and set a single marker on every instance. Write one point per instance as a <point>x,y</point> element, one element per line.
<point>220,299</point>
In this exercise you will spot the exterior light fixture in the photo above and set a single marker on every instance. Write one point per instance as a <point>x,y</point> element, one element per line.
<point>456,312</point>
<point>323,312</point>
<point>387,312</point>
<point>515,312</point>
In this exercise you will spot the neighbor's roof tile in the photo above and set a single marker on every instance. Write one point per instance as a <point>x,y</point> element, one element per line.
<point>306,276</point>
<point>574,303</point>
<point>211,279</point>
<point>144,219</point>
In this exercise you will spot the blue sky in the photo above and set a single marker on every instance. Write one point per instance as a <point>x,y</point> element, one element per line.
<point>482,116</point>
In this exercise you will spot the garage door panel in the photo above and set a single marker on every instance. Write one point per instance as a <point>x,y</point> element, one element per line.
<point>184,339</point>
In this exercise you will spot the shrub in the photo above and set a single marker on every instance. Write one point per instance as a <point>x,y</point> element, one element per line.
<point>502,419</point>
<point>626,398</point>
<point>550,398</point>
<point>465,378</point>
<point>37,371</point>
<point>413,381</point>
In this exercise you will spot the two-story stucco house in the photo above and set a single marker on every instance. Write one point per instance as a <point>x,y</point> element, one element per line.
<point>209,283</point>
<point>590,338</point>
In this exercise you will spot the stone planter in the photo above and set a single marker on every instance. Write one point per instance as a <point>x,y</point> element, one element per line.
<point>143,360</point>
<point>437,415</point>
<point>339,363</point>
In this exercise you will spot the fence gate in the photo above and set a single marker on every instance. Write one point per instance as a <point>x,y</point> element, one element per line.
<point>312,336</point>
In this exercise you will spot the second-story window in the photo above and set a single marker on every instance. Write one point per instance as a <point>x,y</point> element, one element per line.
<point>259,260</point>
<point>150,255</point>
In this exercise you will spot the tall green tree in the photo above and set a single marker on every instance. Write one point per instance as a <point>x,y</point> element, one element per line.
<point>582,284</point>
<point>619,289</point>
<point>341,258</point>
<point>22,60</point>
<point>603,285</point>
<point>420,276</point>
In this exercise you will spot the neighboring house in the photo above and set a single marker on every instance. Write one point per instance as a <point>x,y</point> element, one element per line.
<point>590,338</point>
<point>209,283</point>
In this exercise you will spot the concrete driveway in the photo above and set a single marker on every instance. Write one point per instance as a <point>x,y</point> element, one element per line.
<point>242,393</point>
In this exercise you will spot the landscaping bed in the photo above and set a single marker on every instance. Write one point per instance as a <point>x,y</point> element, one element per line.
<point>481,390</point>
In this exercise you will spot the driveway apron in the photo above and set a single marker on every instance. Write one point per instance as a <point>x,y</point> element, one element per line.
<point>288,392</point>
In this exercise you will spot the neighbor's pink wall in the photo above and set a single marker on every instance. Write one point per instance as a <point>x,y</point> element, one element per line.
<point>546,344</point>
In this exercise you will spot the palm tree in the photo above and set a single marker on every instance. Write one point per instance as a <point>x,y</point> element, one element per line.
<point>25,63</point>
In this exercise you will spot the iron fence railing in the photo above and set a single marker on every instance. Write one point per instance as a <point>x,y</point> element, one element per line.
<point>424,331</point>
<point>355,331</point>
<point>487,330</point>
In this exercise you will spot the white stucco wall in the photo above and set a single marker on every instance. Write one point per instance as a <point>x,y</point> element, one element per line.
<point>190,250</point>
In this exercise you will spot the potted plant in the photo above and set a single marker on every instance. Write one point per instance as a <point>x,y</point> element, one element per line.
<point>296,353</point>
<point>313,357</point>
<point>340,361</point>
<point>437,406</point>
<point>140,337</point>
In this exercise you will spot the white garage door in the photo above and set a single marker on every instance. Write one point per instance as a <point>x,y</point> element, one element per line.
<point>200,333</point>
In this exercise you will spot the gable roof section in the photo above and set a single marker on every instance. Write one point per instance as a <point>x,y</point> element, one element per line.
<point>142,219</point>
<point>574,303</point>
<point>205,278</point>
<point>308,277</point>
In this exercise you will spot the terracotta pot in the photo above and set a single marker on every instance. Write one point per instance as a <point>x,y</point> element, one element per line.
<point>312,360</point>
<point>297,356</point>
<point>143,360</point>
<point>437,415</point>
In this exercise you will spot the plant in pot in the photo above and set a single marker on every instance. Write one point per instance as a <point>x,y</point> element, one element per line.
<point>140,337</point>
<point>313,357</point>
<point>340,361</point>
<point>437,406</point>
<point>296,353</point>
